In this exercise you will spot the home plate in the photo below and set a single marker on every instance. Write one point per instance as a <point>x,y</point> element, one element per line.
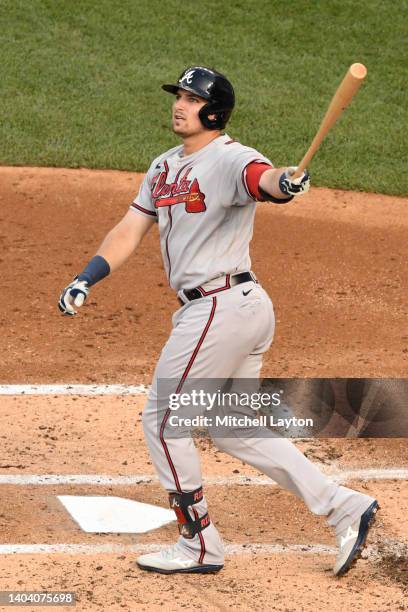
<point>115,514</point>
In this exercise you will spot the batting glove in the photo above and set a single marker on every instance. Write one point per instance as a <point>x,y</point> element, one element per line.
<point>294,187</point>
<point>73,295</point>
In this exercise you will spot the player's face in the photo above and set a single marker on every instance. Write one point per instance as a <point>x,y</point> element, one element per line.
<point>185,119</point>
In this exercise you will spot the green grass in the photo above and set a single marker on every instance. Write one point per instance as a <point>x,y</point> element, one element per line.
<point>80,81</point>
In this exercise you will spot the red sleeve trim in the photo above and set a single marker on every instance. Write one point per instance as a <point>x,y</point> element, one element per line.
<point>251,176</point>
<point>144,210</point>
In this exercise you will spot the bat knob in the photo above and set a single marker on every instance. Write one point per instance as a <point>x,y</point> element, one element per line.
<point>358,71</point>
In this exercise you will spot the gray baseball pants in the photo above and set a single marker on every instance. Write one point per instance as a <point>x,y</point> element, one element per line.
<point>224,336</point>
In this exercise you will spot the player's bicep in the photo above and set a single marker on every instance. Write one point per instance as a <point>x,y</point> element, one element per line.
<point>144,210</point>
<point>254,179</point>
<point>143,203</point>
<point>243,169</point>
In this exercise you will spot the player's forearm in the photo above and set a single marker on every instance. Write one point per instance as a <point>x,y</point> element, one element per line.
<point>124,238</point>
<point>269,182</point>
<point>117,247</point>
<point>278,183</point>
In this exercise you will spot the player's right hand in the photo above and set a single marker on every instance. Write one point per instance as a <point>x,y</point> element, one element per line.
<point>297,186</point>
<point>73,295</point>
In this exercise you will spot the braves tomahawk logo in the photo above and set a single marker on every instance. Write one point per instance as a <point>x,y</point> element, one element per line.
<point>180,191</point>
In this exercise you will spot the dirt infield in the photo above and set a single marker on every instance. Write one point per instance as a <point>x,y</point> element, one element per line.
<point>62,435</point>
<point>334,264</point>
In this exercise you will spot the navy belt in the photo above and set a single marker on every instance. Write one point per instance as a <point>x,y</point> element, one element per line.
<point>230,281</point>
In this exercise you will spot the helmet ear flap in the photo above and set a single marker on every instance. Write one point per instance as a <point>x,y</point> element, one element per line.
<point>221,116</point>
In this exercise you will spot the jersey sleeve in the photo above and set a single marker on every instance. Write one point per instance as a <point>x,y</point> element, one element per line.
<point>244,167</point>
<point>143,203</point>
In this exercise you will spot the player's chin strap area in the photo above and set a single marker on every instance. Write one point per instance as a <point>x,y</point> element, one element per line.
<point>180,503</point>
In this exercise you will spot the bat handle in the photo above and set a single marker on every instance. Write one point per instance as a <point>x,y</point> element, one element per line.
<point>306,159</point>
<point>300,169</point>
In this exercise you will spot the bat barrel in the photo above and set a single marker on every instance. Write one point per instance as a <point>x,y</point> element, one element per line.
<point>341,99</point>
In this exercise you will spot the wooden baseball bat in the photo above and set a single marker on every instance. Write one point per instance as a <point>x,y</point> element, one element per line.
<point>343,96</point>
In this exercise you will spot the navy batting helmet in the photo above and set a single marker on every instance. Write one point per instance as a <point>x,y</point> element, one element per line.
<point>211,86</point>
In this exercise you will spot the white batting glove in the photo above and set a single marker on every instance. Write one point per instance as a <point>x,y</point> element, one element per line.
<point>294,187</point>
<point>73,295</point>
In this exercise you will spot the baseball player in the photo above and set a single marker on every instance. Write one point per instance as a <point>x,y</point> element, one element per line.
<point>203,194</point>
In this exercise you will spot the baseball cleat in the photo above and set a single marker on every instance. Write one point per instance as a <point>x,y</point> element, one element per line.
<point>352,543</point>
<point>172,560</point>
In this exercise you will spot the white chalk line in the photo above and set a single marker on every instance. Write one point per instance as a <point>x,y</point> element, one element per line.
<point>373,552</point>
<point>92,549</point>
<point>73,389</point>
<point>107,480</point>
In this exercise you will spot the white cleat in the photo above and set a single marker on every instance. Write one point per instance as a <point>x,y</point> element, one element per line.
<point>352,543</point>
<point>172,560</point>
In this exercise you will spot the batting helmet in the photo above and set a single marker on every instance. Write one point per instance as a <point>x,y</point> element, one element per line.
<point>211,86</point>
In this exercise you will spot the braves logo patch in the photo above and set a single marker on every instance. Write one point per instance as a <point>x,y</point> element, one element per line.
<point>181,191</point>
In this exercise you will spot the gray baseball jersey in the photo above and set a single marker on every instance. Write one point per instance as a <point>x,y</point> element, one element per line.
<point>204,209</point>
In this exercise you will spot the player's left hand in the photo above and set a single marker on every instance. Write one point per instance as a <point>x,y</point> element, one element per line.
<point>74,294</point>
<point>294,187</point>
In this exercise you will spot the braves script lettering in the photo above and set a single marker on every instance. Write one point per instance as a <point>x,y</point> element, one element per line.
<point>181,191</point>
